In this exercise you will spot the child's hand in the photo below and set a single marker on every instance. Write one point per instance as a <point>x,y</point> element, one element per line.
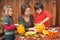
<point>40,23</point>
<point>16,24</point>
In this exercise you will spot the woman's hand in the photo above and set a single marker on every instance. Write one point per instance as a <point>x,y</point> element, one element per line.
<point>34,29</point>
<point>31,28</point>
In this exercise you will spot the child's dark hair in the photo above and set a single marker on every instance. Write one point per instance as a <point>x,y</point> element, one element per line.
<point>38,5</point>
<point>24,7</point>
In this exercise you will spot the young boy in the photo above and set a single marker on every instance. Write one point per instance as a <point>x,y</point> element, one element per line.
<point>41,16</point>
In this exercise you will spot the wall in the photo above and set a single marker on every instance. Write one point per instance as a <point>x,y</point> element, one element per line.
<point>50,5</point>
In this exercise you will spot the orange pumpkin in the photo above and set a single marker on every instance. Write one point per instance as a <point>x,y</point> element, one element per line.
<point>20,29</point>
<point>45,32</point>
<point>40,28</point>
<point>53,34</point>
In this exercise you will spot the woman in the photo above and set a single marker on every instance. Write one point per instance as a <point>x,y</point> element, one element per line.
<point>26,18</point>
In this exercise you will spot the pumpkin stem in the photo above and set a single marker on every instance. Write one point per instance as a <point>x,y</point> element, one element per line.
<point>21,23</point>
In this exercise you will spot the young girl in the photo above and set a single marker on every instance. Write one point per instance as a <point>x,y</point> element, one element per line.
<point>26,18</point>
<point>7,19</point>
<point>41,16</point>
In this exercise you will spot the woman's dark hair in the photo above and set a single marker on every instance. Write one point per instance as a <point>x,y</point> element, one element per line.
<point>38,5</point>
<point>24,7</point>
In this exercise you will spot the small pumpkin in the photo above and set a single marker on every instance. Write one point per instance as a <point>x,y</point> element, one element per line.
<point>40,28</point>
<point>45,32</point>
<point>20,29</point>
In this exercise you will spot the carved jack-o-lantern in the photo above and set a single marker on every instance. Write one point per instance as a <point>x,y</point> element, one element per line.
<point>40,28</point>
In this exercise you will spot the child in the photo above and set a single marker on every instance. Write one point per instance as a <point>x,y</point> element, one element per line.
<point>41,16</point>
<point>8,23</point>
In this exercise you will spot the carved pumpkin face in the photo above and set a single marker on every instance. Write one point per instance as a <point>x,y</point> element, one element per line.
<point>40,28</point>
<point>20,29</point>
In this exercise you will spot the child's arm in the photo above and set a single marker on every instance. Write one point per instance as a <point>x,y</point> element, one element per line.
<point>6,26</point>
<point>46,19</point>
<point>48,16</point>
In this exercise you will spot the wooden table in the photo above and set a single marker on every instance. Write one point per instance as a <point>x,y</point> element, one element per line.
<point>43,38</point>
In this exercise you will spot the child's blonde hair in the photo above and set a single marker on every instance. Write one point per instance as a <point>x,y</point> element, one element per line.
<point>5,10</point>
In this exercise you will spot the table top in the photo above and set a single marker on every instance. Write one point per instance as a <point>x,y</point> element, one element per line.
<point>39,38</point>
